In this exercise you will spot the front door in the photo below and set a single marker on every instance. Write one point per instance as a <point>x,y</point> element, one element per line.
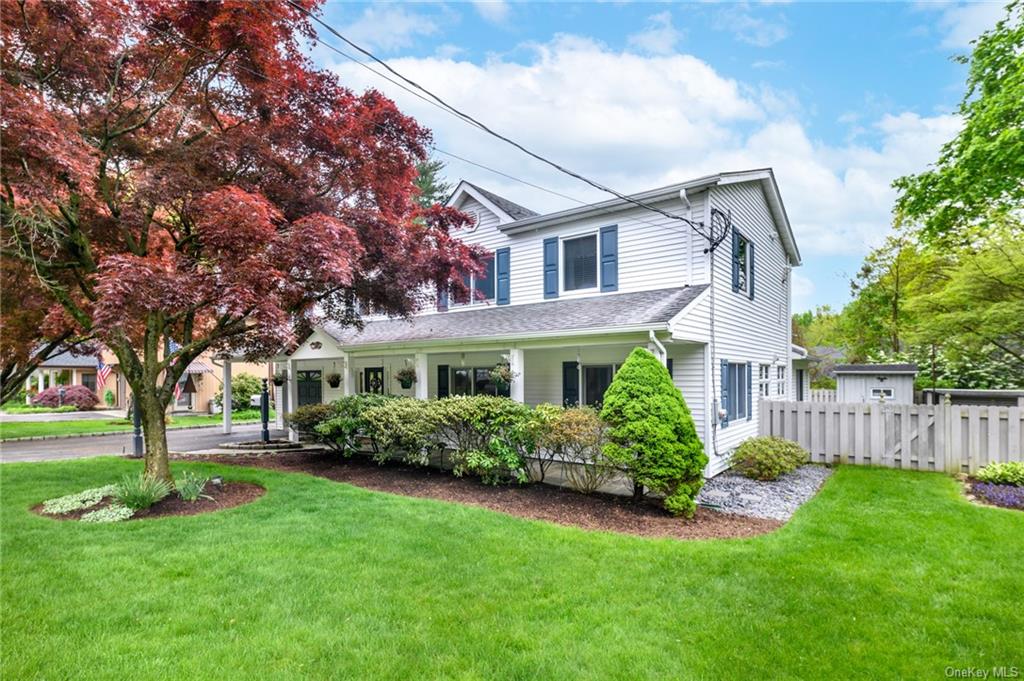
<point>373,380</point>
<point>311,388</point>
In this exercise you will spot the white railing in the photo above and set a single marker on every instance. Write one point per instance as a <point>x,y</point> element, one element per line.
<point>823,395</point>
<point>951,438</point>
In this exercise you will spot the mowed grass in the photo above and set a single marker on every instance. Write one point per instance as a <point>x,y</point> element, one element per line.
<point>885,574</point>
<point>15,429</point>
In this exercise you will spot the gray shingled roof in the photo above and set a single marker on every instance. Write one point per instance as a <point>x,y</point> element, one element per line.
<point>606,311</point>
<point>875,368</point>
<point>516,211</point>
<point>67,360</point>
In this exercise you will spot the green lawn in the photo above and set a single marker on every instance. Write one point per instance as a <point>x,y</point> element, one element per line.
<point>886,574</point>
<point>14,429</point>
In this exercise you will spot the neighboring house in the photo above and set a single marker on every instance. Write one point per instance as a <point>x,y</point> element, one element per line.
<point>568,295</point>
<point>199,383</point>
<point>875,383</point>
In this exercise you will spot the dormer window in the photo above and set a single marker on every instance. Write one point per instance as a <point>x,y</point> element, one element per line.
<point>579,257</point>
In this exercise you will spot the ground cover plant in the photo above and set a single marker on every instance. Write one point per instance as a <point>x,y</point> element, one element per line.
<point>322,580</point>
<point>1002,473</point>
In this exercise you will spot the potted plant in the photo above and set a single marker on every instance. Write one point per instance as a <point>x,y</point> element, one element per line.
<point>406,376</point>
<point>280,378</point>
<point>333,380</point>
<point>501,376</point>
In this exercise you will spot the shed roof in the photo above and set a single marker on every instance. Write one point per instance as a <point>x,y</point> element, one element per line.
<point>876,368</point>
<point>602,313</point>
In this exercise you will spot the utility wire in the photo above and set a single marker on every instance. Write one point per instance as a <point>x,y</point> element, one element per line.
<point>712,239</point>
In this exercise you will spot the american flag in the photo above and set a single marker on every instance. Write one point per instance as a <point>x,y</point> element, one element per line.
<point>102,370</point>
<point>177,391</point>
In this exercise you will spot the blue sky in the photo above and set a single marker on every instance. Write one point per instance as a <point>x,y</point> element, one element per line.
<point>840,99</point>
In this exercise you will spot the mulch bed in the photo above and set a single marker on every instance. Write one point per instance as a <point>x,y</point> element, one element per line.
<point>229,495</point>
<point>537,502</point>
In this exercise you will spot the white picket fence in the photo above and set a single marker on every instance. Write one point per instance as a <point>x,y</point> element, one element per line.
<point>951,438</point>
<point>823,395</point>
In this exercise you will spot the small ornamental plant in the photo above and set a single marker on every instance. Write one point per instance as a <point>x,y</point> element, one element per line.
<point>406,376</point>
<point>333,379</point>
<point>140,491</point>
<point>501,375</point>
<point>280,378</point>
<point>190,486</point>
<point>766,458</point>
<point>651,435</point>
<point>1006,473</point>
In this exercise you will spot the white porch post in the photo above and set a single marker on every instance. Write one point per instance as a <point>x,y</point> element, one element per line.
<point>226,402</point>
<point>74,377</point>
<point>348,377</point>
<point>517,365</point>
<point>28,388</point>
<point>422,384</point>
<point>279,397</point>
<point>293,396</point>
<point>40,377</point>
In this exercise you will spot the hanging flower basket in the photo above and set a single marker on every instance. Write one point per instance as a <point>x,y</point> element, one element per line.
<point>334,380</point>
<point>280,378</point>
<point>406,376</point>
<point>501,376</point>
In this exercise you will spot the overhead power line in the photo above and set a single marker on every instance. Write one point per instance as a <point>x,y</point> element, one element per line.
<point>713,239</point>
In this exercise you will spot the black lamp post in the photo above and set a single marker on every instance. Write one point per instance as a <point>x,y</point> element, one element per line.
<point>265,412</point>
<point>137,429</point>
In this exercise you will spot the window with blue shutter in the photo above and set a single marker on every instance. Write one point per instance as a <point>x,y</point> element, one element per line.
<point>551,267</point>
<point>750,389</point>
<point>570,384</point>
<point>737,391</point>
<point>610,258</point>
<point>750,269</point>
<point>580,261</point>
<point>504,274</point>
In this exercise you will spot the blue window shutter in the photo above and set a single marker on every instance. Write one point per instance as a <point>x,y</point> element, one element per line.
<point>503,272</point>
<point>750,391</point>
<point>442,380</point>
<point>570,384</point>
<point>610,258</point>
<point>551,267</point>
<point>442,300</point>
<point>735,261</point>
<point>668,365</point>
<point>725,392</point>
<point>750,268</point>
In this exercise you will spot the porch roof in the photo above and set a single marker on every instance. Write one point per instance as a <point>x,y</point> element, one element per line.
<point>602,313</point>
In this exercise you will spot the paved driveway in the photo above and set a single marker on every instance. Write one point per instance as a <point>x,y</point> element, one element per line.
<point>183,440</point>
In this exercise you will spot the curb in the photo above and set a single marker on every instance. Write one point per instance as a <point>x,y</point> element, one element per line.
<point>109,432</point>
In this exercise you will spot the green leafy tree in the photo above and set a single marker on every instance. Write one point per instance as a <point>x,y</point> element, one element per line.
<point>980,173</point>
<point>430,183</point>
<point>651,434</point>
<point>243,387</point>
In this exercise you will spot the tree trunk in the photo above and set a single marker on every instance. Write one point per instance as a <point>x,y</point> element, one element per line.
<point>154,430</point>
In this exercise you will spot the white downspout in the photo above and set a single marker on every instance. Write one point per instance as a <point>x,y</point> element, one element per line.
<point>662,352</point>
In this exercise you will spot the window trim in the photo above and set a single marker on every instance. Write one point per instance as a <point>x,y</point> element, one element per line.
<point>748,269</point>
<point>781,380</point>
<point>738,394</point>
<point>473,300</point>
<point>562,269</point>
<point>764,380</point>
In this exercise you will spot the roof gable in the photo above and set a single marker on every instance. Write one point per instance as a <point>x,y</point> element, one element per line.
<point>506,210</point>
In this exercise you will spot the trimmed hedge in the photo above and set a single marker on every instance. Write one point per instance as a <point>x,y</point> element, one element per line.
<point>651,434</point>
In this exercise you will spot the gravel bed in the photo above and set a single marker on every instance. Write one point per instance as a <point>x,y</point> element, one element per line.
<point>778,500</point>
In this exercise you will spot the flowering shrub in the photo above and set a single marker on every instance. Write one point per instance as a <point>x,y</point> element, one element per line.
<point>766,458</point>
<point>75,395</point>
<point>1007,496</point>
<point>1009,473</point>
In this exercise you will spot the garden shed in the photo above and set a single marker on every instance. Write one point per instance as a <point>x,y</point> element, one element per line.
<point>875,383</point>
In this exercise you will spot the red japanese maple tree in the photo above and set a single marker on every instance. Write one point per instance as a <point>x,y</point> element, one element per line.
<point>180,170</point>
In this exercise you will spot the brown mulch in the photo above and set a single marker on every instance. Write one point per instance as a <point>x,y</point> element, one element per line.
<point>229,495</point>
<point>537,501</point>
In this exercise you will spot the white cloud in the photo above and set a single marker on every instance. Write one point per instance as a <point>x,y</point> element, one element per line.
<point>803,291</point>
<point>746,27</point>
<point>389,28</point>
<point>768,64</point>
<point>960,23</point>
<point>659,36</point>
<point>635,122</point>
<point>494,11</point>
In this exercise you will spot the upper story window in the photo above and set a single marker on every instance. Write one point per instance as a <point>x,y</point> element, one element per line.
<point>481,286</point>
<point>742,264</point>
<point>579,258</point>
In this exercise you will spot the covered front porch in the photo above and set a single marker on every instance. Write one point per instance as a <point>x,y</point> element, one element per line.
<point>567,371</point>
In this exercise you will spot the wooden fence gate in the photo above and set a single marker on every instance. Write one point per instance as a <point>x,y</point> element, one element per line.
<point>951,438</point>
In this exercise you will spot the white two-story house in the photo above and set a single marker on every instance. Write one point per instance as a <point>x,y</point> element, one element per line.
<point>568,295</point>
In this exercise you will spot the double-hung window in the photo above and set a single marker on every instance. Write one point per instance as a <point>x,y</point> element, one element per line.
<point>481,286</point>
<point>764,380</point>
<point>738,406</point>
<point>742,264</point>
<point>579,263</point>
<point>780,377</point>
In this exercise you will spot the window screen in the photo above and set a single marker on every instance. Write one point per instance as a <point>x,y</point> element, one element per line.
<point>580,257</point>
